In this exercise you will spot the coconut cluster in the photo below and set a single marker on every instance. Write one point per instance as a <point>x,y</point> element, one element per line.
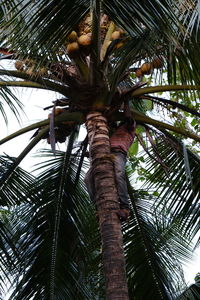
<point>79,41</point>
<point>63,129</point>
<point>147,68</point>
<point>28,66</point>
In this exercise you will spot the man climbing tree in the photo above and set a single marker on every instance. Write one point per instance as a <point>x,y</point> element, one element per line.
<point>120,142</point>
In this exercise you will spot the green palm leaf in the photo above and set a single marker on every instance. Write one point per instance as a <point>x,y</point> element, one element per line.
<point>178,183</point>
<point>43,25</point>
<point>14,190</point>
<point>153,249</point>
<point>12,102</point>
<point>12,194</point>
<point>55,234</point>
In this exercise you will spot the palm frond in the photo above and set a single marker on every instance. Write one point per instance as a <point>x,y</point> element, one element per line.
<point>16,161</point>
<point>41,25</point>
<point>133,50</point>
<point>178,185</point>
<point>9,98</point>
<point>63,255</point>
<point>133,16</point>
<point>12,194</point>
<point>191,293</point>
<point>153,250</point>
<point>14,190</point>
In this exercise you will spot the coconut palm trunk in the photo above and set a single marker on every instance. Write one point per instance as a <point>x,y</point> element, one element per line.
<point>107,205</point>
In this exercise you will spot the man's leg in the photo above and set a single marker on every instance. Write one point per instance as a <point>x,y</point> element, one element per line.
<point>120,175</point>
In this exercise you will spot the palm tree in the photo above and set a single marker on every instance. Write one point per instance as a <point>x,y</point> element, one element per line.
<point>99,55</point>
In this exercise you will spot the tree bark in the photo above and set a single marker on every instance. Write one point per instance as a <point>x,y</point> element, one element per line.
<point>107,205</point>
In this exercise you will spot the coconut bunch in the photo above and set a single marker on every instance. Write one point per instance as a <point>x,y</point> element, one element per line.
<point>147,68</point>
<point>28,66</point>
<point>62,130</point>
<point>79,40</point>
<point>78,44</point>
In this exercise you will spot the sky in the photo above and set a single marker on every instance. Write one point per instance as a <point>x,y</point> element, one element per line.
<point>34,101</point>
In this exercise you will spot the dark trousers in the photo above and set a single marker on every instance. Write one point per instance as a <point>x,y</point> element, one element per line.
<point>120,177</point>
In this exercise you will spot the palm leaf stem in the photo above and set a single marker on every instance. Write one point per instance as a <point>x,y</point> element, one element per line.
<point>18,160</point>
<point>82,67</point>
<point>45,83</point>
<point>29,84</point>
<point>104,47</point>
<point>72,116</point>
<point>172,103</point>
<point>137,116</point>
<point>164,88</point>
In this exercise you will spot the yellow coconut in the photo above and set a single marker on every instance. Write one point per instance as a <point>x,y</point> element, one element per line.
<point>72,49</point>
<point>115,35</point>
<point>85,40</point>
<point>72,37</point>
<point>19,65</point>
<point>146,68</point>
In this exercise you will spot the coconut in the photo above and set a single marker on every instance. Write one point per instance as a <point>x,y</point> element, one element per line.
<point>19,65</point>
<point>85,40</point>
<point>157,63</point>
<point>146,68</point>
<point>115,35</point>
<point>138,72</point>
<point>72,49</point>
<point>72,37</point>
